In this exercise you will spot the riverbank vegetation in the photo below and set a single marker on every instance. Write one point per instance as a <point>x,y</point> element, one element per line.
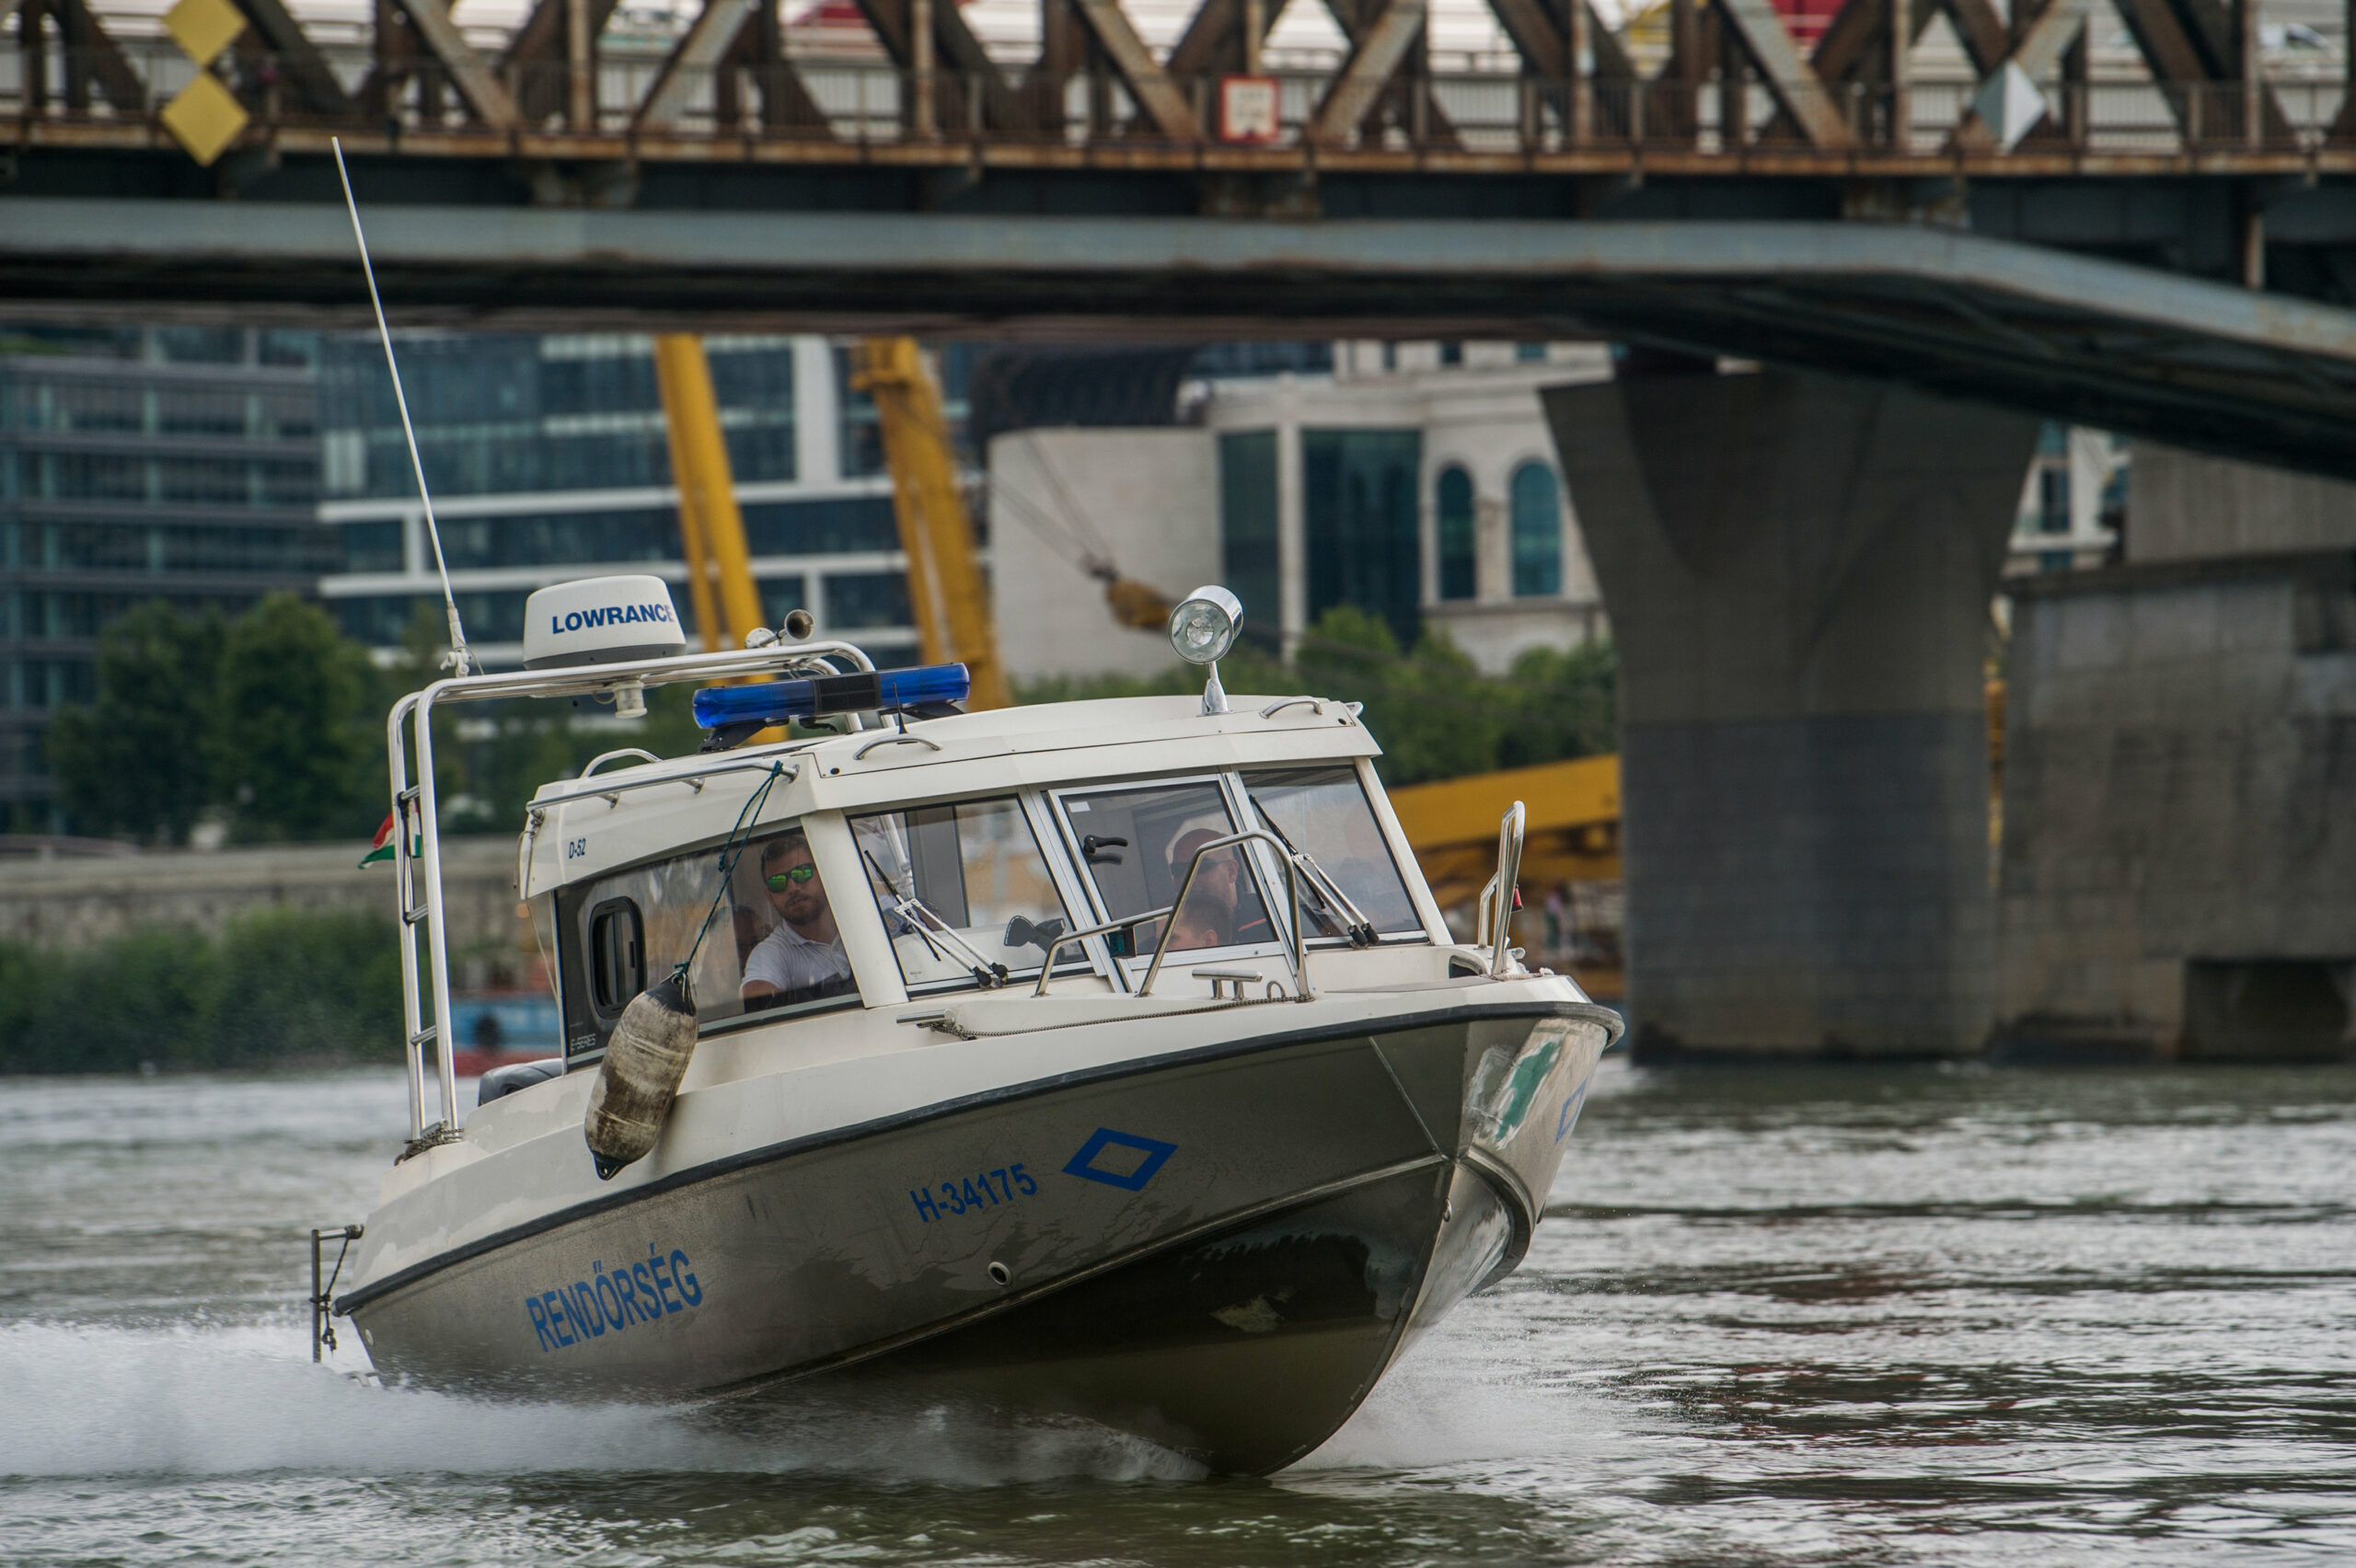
<point>273,988</point>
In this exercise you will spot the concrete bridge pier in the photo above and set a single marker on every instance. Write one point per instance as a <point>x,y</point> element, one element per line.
<point>1798,570</point>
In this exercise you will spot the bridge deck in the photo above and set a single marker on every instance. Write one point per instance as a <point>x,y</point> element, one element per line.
<point>1723,190</point>
<point>2077,338</point>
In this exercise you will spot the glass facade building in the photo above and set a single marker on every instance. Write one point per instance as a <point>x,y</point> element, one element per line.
<point>550,459</point>
<point>179,464</point>
<point>1359,501</point>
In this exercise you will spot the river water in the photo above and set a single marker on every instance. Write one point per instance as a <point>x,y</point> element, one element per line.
<point>1957,1318</point>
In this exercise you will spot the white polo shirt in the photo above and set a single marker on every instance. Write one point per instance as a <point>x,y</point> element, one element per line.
<point>789,960</point>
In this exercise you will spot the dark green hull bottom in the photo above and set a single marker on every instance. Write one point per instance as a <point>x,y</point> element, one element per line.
<point>1244,1350</point>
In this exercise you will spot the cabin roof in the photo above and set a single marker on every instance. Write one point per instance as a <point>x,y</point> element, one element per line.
<point>585,826</point>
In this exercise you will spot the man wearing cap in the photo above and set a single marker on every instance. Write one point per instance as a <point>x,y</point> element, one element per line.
<point>1208,917</point>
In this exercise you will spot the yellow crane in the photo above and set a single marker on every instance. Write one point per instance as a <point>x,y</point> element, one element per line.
<point>711,531</point>
<point>946,591</point>
<point>945,588</point>
<point>1572,829</point>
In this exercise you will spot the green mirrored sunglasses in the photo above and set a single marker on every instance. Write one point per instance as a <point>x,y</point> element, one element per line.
<point>780,880</point>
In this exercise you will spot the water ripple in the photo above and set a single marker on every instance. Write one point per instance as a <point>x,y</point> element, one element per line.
<point>1796,1318</point>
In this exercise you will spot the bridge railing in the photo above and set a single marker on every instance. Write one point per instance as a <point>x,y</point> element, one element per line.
<point>105,75</point>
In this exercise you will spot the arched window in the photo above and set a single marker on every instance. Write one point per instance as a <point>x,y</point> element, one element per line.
<point>1454,513</point>
<point>1536,532</point>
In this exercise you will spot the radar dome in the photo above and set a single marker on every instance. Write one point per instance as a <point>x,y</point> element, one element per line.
<point>601,620</point>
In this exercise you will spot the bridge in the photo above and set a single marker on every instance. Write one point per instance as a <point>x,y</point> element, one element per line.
<point>1974,217</point>
<point>563,108</point>
<point>1713,187</point>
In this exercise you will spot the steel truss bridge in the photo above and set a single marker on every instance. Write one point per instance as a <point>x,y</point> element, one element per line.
<point>1734,92</point>
<point>2162,248</point>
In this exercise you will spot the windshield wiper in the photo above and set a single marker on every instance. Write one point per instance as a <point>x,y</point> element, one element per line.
<point>927,926</point>
<point>1353,923</point>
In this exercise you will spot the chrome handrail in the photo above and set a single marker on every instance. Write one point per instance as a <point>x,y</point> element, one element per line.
<point>537,806</point>
<point>1350,710</point>
<point>1296,951</point>
<point>861,755</point>
<point>604,757</point>
<point>1509,841</point>
<point>1048,969</point>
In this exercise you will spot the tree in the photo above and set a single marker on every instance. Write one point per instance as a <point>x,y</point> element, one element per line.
<point>278,718</point>
<point>293,728</point>
<point>136,761</point>
<point>1566,703</point>
<point>1435,713</point>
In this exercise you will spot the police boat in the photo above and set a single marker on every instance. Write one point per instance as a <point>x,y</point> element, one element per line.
<point>1100,1059</point>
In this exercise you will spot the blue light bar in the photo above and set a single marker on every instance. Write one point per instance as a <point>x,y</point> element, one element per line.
<point>863,691</point>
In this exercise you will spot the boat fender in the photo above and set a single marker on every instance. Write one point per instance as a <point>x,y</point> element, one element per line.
<point>639,1077</point>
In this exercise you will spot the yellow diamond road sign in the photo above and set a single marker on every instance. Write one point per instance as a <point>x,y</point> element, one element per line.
<point>205,117</point>
<point>204,28</point>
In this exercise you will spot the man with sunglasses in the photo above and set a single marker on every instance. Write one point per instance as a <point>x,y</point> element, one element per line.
<point>804,957</point>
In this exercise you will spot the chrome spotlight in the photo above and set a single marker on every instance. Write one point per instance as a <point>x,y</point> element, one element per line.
<point>1202,629</point>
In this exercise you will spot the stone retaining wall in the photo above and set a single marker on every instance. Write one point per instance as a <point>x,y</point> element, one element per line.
<point>75,901</point>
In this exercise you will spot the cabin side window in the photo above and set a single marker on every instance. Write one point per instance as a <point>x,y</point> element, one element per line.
<point>1324,813</point>
<point>962,887</point>
<point>771,946</point>
<point>617,956</point>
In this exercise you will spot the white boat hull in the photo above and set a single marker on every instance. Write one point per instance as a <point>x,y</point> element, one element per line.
<point>1214,1230</point>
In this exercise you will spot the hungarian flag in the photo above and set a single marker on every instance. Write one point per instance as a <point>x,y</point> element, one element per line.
<point>381,847</point>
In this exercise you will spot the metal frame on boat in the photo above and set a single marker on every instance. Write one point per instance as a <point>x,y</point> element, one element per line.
<point>416,711</point>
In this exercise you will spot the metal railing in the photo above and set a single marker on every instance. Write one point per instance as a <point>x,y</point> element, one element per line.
<point>864,104</point>
<point>1048,970</point>
<point>417,832</point>
<point>1295,944</point>
<point>1495,929</point>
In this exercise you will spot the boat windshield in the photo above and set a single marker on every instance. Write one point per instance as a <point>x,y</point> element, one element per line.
<point>1136,843</point>
<point>773,945</point>
<point>1322,811</point>
<point>960,886</point>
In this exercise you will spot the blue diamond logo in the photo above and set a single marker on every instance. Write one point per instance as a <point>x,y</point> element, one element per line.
<point>1112,1173</point>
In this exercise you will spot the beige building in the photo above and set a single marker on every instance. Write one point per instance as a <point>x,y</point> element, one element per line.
<point>1416,482</point>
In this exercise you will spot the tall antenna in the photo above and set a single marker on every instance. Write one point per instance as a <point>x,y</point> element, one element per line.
<point>459,659</point>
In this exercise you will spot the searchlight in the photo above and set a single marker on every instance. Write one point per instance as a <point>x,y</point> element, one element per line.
<point>1202,629</point>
